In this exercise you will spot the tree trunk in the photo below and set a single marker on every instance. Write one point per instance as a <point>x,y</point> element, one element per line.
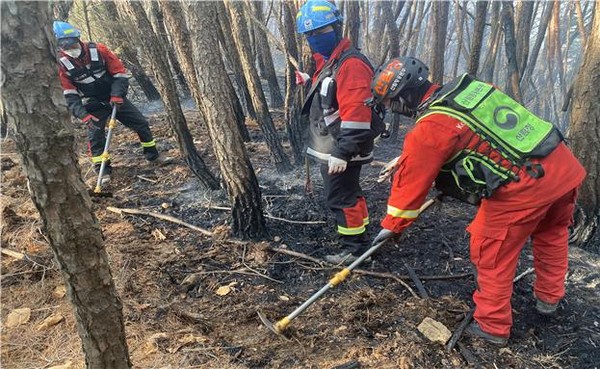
<point>541,33</point>
<point>440,29</point>
<point>239,27</point>
<point>352,21</point>
<point>523,31</point>
<point>460,25</point>
<point>62,8</point>
<point>156,55</point>
<point>293,95</point>
<point>157,20</point>
<point>510,44</point>
<point>128,53</point>
<point>247,220</point>
<point>584,133</point>
<point>477,41</point>
<point>232,54</point>
<point>489,64</point>
<point>392,30</point>
<point>267,68</point>
<point>41,124</point>
<point>580,24</point>
<point>178,29</point>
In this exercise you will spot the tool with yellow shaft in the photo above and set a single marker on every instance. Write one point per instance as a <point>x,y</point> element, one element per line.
<point>338,278</point>
<point>111,125</point>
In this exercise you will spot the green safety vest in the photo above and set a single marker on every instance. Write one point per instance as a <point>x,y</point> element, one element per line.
<point>516,133</point>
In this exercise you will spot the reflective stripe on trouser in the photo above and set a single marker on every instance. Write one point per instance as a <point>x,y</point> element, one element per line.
<point>127,114</point>
<point>497,238</point>
<point>344,198</point>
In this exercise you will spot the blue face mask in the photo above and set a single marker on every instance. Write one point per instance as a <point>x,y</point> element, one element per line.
<point>323,43</point>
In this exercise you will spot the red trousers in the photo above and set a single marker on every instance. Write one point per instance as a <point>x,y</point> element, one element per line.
<point>497,238</point>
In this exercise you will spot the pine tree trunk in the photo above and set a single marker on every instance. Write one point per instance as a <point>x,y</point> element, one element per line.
<point>127,53</point>
<point>477,41</point>
<point>157,21</point>
<point>232,54</point>
<point>584,133</point>
<point>157,56</point>
<point>46,143</point>
<point>239,27</point>
<point>178,29</point>
<point>267,68</point>
<point>523,31</point>
<point>535,51</point>
<point>440,29</point>
<point>247,220</point>
<point>352,21</point>
<point>510,44</point>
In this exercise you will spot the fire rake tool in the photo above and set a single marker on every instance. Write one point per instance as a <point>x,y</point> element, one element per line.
<point>111,125</point>
<point>338,278</point>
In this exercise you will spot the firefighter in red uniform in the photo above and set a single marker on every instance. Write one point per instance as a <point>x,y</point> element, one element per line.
<point>94,80</point>
<point>480,146</point>
<point>342,128</point>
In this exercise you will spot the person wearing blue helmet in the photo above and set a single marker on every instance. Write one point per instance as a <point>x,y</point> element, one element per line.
<point>342,127</point>
<point>94,80</point>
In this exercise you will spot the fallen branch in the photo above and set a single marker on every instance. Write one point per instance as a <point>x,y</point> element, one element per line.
<point>15,254</point>
<point>417,282</point>
<point>459,330</point>
<point>271,216</point>
<point>520,276</point>
<point>147,179</point>
<point>159,216</point>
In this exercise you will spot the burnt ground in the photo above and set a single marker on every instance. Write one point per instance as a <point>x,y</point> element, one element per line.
<point>190,301</point>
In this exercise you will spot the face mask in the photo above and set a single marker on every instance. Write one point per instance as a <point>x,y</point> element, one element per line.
<point>323,43</point>
<point>73,53</point>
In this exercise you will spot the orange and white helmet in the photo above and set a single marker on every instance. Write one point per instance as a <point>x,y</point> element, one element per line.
<point>397,75</point>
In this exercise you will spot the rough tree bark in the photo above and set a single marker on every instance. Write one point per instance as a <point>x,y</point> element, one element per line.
<point>460,25</point>
<point>535,51</point>
<point>585,138</point>
<point>232,55</point>
<point>510,45</point>
<point>352,21</point>
<point>247,220</point>
<point>62,8</point>
<point>37,114</point>
<point>127,53</point>
<point>523,20</point>
<point>489,64</point>
<point>293,95</point>
<point>440,29</point>
<point>239,27</point>
<point>267,68</point>
<point>178,29</point>
<point>157,21</point>
<point>157,55</point>
<point>477,41</point>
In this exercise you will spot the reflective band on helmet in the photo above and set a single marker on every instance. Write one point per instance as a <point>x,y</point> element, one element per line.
<point>320,8</point>
<point>149,144</point>
<point>351,231</point>
<point>401,213</point>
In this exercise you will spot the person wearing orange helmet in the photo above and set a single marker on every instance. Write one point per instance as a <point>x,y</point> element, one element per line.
<point>482,147</point>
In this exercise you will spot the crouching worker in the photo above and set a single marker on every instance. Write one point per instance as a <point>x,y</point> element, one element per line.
<point>480,146</point>
<point>93,81</point>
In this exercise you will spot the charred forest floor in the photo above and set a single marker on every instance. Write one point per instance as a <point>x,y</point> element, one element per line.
<point>191,301</point>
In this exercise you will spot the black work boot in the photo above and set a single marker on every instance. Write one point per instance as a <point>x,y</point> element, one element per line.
<point>474,330</point>
<point>352,248</point>
<point>151,153</point>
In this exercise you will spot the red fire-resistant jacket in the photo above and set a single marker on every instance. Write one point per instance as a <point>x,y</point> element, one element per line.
<point>436,139</point>
<point>102,76</point>
<point>351,133</point>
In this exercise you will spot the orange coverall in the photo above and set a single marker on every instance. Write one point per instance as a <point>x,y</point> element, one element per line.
<point>538,208</point>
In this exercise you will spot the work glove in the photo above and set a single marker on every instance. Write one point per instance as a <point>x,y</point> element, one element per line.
<point>116,101</point>
<point>89,120</point>
<point>336,165</point>
<point>383,235</point>
<point>301,78</point>
<point>388,170</point>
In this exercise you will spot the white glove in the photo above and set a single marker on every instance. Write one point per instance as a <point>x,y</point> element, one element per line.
<point>336,165</point>
<point>301,78</point>
<point>388,170</point>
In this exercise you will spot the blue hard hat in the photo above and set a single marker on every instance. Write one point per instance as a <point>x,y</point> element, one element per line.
<point>65,30</point>
<point>315,14</point>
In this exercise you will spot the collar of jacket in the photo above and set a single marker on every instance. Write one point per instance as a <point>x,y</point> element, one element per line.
<point>340,48</point>
<point>84,58</point>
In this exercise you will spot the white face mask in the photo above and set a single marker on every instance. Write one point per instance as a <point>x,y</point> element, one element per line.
<point>74,53</point>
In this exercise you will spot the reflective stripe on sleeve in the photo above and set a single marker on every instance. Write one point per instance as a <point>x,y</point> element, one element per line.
<point>401,213</point>
<point>121,75</point>
<point>355,125</point>
<point>70,92</point>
